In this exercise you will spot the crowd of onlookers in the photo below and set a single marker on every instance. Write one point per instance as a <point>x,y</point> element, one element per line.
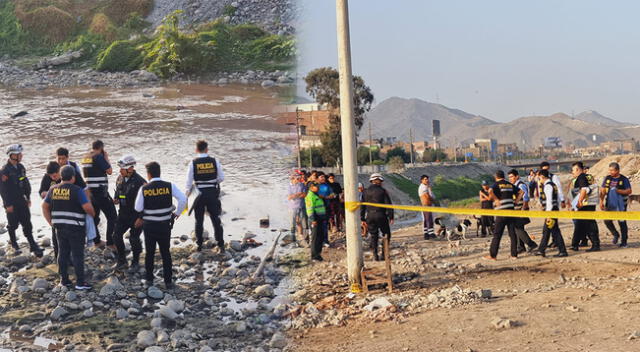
<point>316,204</point>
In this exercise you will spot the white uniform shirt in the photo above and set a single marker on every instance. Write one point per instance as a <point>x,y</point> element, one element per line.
<point>189,183</point>
<point>175,192</point>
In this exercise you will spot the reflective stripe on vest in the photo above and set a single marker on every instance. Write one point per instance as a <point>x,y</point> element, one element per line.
<point>65,208</point>
<point>158,205</point>
<point>506,195</point>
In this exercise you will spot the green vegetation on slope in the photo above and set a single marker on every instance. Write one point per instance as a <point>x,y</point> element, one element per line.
<point>111,34</point>
<point>460,191</point>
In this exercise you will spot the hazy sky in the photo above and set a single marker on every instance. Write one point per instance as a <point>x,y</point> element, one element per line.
<point>499,59</point>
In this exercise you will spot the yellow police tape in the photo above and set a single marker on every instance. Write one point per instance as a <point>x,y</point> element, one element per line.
<point>578,215</point>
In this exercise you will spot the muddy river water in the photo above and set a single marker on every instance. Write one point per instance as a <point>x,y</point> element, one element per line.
<point>162,124</point>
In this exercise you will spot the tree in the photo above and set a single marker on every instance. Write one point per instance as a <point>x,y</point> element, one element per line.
<point>396,163</point>
<point>431,155</point>
<point>400,152</point>
<point>363,155</point>
<point>323,84</point>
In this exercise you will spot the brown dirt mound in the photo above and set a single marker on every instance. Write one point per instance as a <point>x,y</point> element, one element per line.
<point>629,166</point>
<point>50,22</point>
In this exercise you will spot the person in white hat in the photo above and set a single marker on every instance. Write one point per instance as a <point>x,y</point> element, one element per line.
<point>377,220</point>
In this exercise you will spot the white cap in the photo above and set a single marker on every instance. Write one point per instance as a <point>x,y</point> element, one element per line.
<point>376,176</point>
<point>14,149</point>
<point>126,162</point>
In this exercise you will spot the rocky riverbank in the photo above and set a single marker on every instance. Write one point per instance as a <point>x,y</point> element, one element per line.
<point>218,304</point>
<point>11,75</point>
<point>275,16</point>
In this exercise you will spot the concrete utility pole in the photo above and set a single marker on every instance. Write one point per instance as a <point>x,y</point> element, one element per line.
<point>370,145</point>
<point>298,137</point>
<point>411,145</point>
<point>347,124</point>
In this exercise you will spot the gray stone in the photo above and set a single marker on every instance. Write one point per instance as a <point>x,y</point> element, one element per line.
<point>278,340</point>
<point>112,285</point>
<point>176,305</point>
<point>156,322</point>
<point>154,292</point>
<point>39,283</point>
<point>264,291</point>
<point>121,314</point>
<point>154,349</point>
<point>168,313</point>
<point>70,296</point>
<point>146,338</point>
<point>58,313</point>
<point>20,260</point>
<point>267,83</point>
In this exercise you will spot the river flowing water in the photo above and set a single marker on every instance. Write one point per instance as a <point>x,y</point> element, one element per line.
<point>162,124</point>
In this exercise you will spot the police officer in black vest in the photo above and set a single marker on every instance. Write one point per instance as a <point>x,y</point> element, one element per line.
<point>155,204</point>
<point>127,186</point>
<point>96,167</point>
<point>15,190</point>
<point>502,194</point>
<point>378,220</point>
<point>62,156</point>
<point>550,200</point>
<point>206,174</point>
<point>65,208</point>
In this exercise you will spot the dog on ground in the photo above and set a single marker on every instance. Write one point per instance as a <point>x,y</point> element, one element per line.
<point>452,228</point>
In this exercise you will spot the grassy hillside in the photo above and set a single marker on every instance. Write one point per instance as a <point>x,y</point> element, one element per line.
<point>114,37</point>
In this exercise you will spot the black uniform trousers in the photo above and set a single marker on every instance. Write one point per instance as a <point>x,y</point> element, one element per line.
<point>126,221</point>
<point>209,200</point>
<point>624,230</point>
<point>102,202</point>
<point>500,225</point>
<point>586,229</point>
<point>523,237</point>
<point>71,241</point>
<point>317,235</point>
<point>159,236</point>
<point>20,216</point>
<point>556,236</point>
<point>377,222</point>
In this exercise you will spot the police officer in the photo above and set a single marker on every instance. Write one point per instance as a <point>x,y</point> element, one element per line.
<point>15,190</point>
<point>614,196</point>
<point>521,202</point>
<point>550,199</point>
<point>65,208</point>
<point>50,179</point>
<point>155,205</point>
<point>502,194</point>
<point>588,198</point>
<point>206,174</point>
<point>96,167</point>
<point>377,219</point>
<point>127,186</point>
<point>62,157</point>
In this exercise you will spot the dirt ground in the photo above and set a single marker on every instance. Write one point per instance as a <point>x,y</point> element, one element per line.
<point>586,302</point>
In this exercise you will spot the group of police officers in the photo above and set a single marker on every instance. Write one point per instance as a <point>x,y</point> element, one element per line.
<point>584,195</point>
<point>75,195</point>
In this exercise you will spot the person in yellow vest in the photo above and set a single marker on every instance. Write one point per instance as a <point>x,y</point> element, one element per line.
<point>317,214</point>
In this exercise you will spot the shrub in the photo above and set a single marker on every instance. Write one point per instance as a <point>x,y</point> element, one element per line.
<point>102,25</point>
<point>52,23</point>
<point>90,44</point>
<point>121,55</point>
